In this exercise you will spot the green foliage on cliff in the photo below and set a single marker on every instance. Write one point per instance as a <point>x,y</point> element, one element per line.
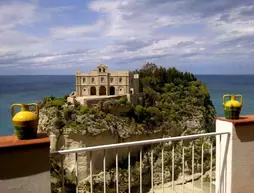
<point>169,95</point>
<point>51,101</point>
<point>84,109</point>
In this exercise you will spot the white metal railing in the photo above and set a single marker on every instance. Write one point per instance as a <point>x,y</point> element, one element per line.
<point>143,143</point>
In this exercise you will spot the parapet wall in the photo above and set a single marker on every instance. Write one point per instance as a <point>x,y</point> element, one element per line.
<point>24,165</point>
<point>91,101</point>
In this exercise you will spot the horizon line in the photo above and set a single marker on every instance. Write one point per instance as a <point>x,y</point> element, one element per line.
<point>74,74</point>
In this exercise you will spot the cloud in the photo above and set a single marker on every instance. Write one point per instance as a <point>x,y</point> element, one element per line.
<point>10,17</point>
<point>126,33</point>
<point>76,32</point>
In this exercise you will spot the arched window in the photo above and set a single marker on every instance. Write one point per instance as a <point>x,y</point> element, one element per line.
<point>103,69</point>
<point>102,90</point>
<point>102,79</point>
<point>93,80</point>
<point>120,79</point>
<point>92,90</point>
<point>99,69</point>
<point>112,90</point>
<point>111,79</point>
<point>84,80</point>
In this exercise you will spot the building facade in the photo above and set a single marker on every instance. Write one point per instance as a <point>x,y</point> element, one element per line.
<point>101,82</point>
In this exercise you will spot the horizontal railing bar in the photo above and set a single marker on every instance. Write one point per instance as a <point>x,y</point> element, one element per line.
<point>143,142</point>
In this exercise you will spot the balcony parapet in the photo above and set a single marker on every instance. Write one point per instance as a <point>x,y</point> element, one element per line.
<point>235,155</point>
<point>13,141</point>
<point>24,165</point>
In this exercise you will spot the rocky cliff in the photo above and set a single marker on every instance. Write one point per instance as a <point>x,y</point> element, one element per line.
<point>173,104</point>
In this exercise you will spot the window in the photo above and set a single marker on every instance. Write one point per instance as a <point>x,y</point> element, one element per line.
<point>84,80</point>
<point>120,79</point>
<point>103,69</point>
<point>111,79</point>
<point>99,69</point>
<point>84,90</point>
<point>120,89</point>
<point>92,80</point>
<point>102,79</point>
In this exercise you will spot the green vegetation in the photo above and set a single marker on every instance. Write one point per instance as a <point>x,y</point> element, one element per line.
<point>51,101</point>
<point>59,123</point>
<point>84,110</point>
<point>123,100</point>
<point>170,95</point>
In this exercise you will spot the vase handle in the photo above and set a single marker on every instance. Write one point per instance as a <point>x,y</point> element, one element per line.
<point>241,98</point>
<point>36,107</point>
<point>13,108</point>
<point>224,97</point>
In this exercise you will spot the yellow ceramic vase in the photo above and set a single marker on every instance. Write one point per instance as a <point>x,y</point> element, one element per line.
<point>25,122</point>
<point>232,107</point>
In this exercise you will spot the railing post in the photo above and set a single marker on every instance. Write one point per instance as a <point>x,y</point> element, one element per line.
<point>235,155</point>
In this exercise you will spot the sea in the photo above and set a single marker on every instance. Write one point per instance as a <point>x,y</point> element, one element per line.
<point>32,89</point>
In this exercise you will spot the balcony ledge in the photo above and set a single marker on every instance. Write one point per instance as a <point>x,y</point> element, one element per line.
<point>243,120</point>
<point>13,141</point>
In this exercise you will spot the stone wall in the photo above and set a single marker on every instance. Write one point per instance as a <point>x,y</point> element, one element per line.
<point>134,99</point>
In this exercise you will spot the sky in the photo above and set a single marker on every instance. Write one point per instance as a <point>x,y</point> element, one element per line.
<point>62,36</point>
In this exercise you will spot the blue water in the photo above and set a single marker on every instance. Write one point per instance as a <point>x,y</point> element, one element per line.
<point>28,89</point>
